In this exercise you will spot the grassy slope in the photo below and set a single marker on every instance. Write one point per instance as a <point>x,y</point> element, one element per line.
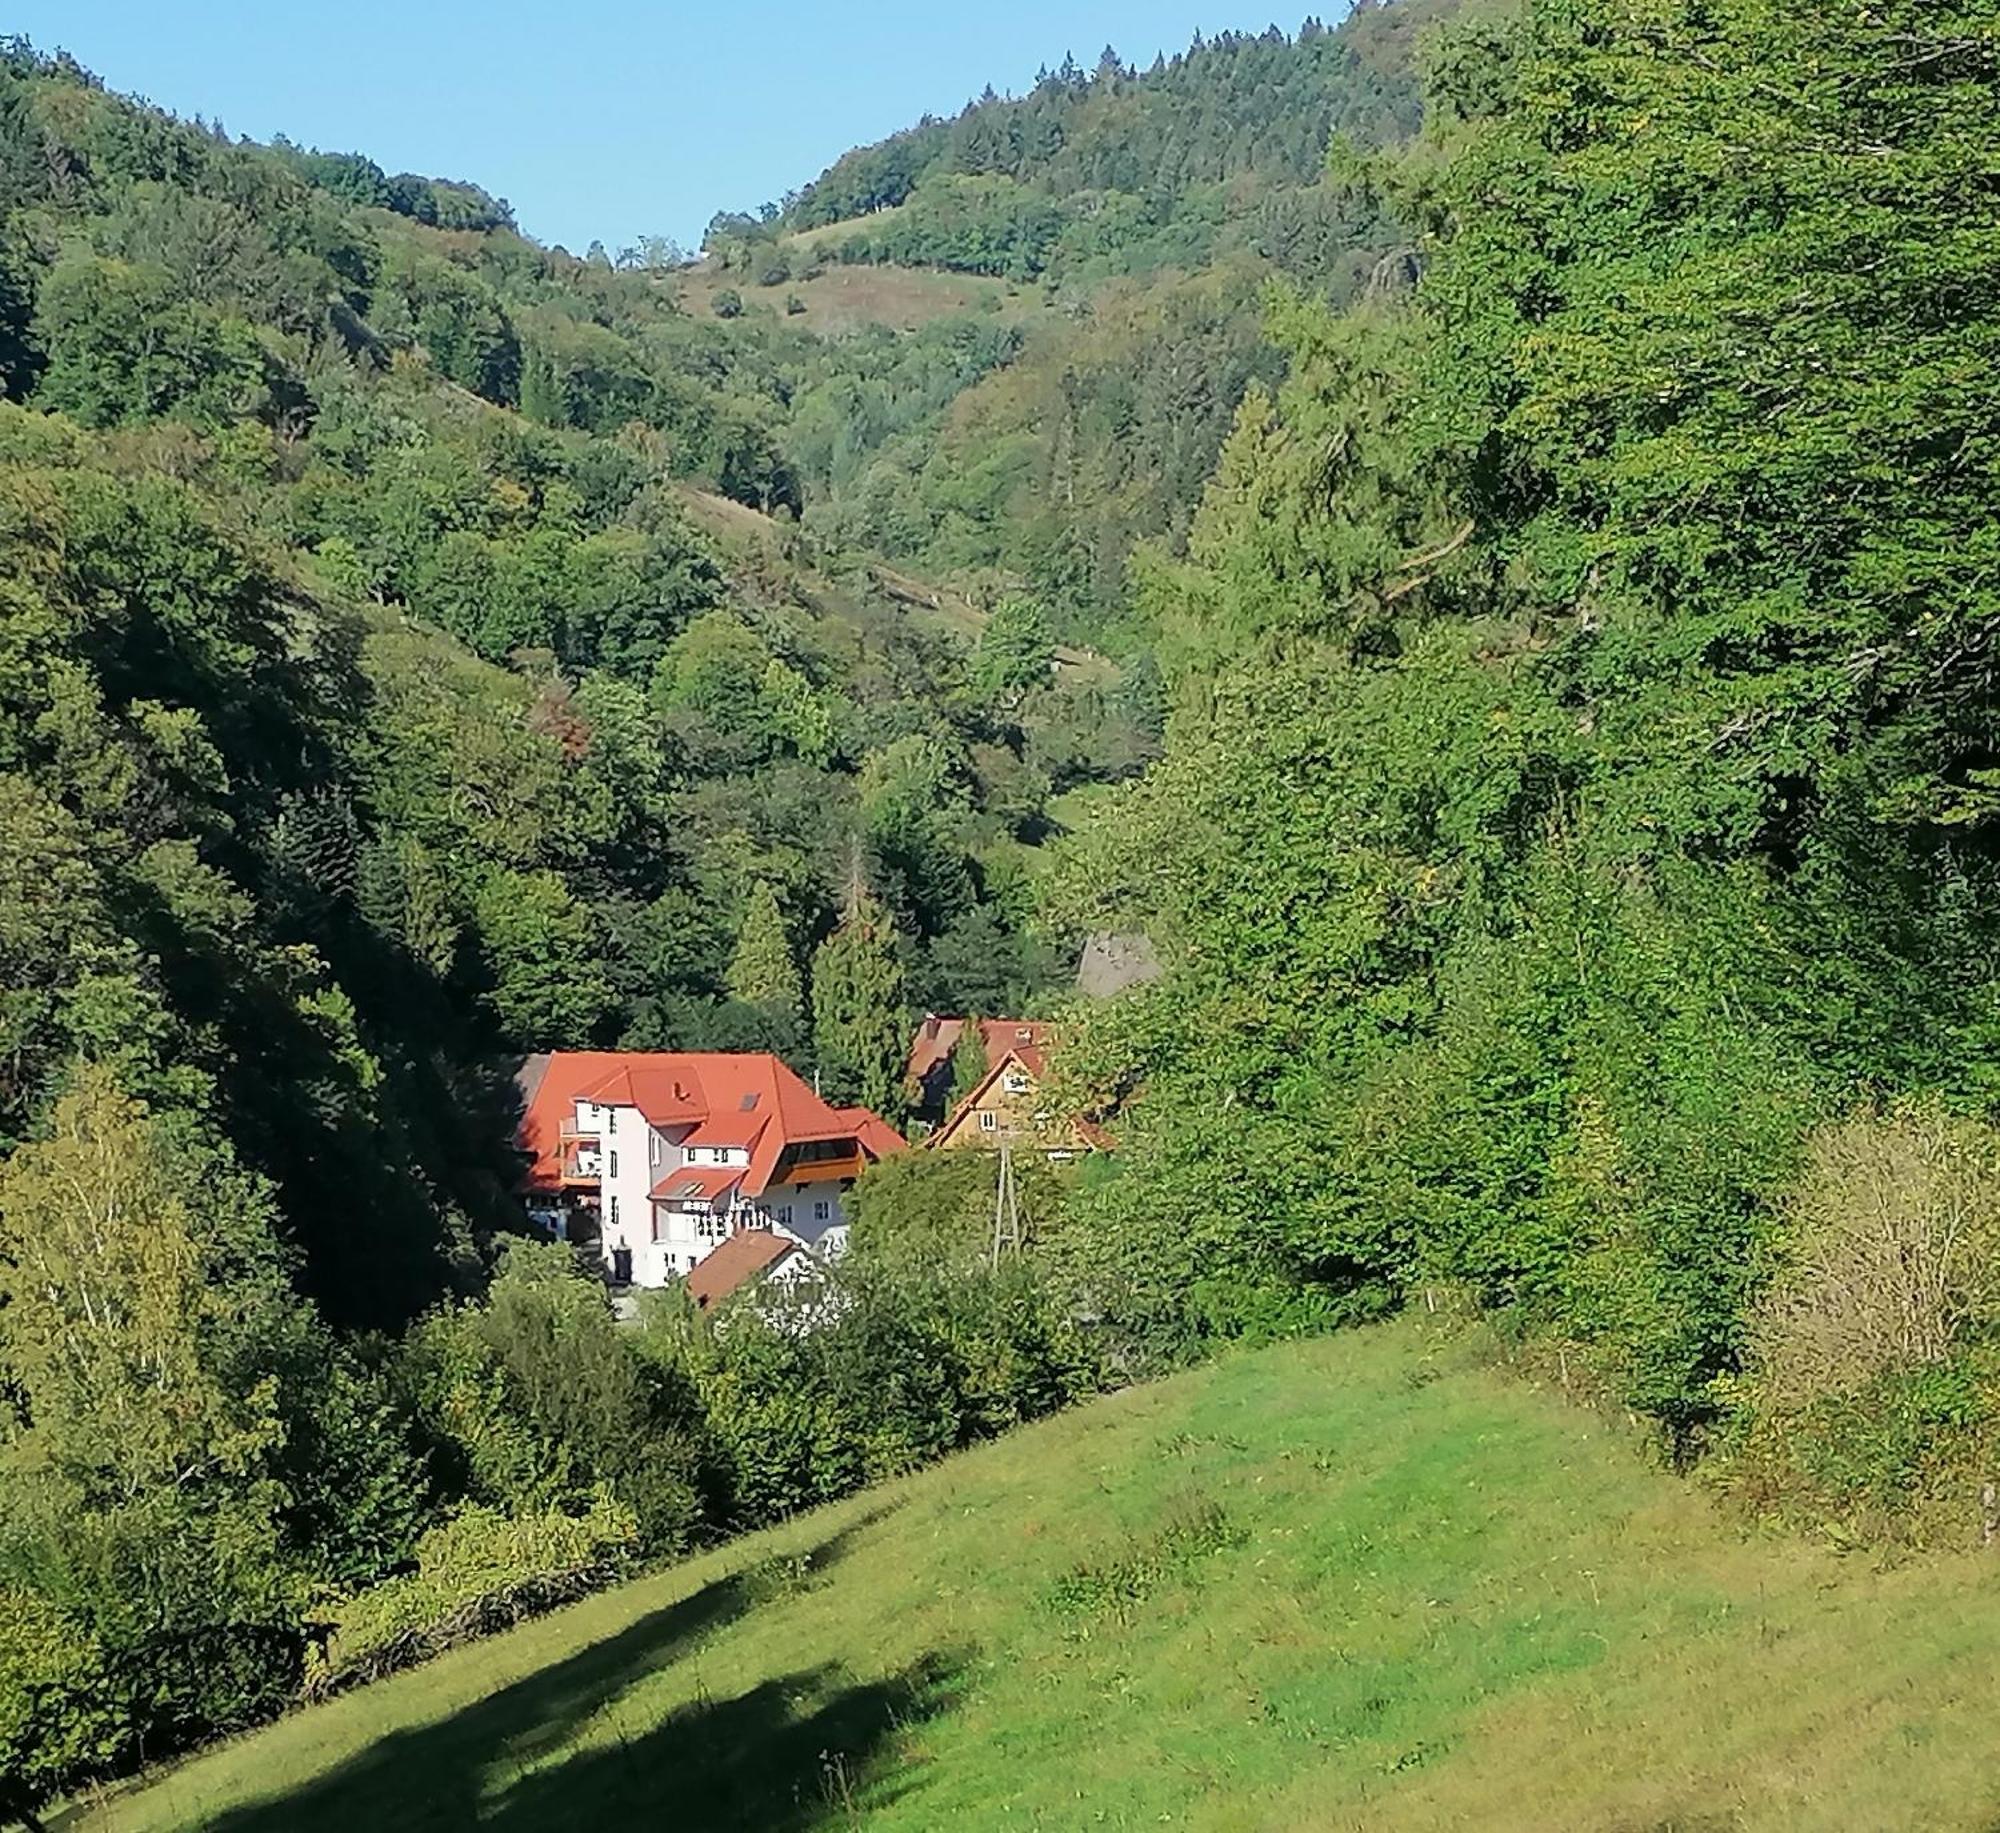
<point>842,298</point>
<point>1432,1597</point>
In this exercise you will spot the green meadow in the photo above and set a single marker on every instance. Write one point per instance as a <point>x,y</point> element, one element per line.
<point>1371,1581</point>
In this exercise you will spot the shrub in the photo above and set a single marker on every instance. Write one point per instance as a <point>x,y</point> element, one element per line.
<point>56,1723</point>
<point>728,303</point>
<point>536,1399</point>
<point>1873,1372</point>
<point>476,1573</point>
<point>1896,1255</point>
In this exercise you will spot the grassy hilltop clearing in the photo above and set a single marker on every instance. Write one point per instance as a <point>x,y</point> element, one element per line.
<point>1362,1582</point>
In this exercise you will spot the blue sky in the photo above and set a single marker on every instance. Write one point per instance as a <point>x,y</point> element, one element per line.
<point>598,118</point>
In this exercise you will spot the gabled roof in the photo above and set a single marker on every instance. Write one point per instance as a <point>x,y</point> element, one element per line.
<point>740,1259</point>
<point>750,1101</point>
<point>937,1037</point>
<point>550,1085</point>
<point>875,1135</point>
<point>1086,1132</point>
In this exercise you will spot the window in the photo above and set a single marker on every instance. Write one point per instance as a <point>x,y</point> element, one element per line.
<point>785,1213</point>
<point>1015,1082</point>
<point>614,1211</point>
<point>652,1147</point>
<point>719,1154</point>
<point>613,1156</point>
<point>822,1211</point>
<point>611,1120</point>
<point>989,1121</point>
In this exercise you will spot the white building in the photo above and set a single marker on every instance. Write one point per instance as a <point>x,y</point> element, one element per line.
<point>658,1157</point>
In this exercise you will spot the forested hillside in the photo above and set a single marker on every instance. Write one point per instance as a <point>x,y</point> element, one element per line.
<point>412,659</point>
<point>1137,217</point>
<point>1575,847</point>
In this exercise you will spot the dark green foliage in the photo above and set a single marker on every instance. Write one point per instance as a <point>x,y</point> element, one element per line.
<point>995,187</point>
<point>1550,662</point>
<point>860,1011</point>
<point>534,1399</point>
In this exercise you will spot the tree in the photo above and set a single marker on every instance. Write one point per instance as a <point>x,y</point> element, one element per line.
<point>763,972</point>
<point>549,987</point>
<point>969,1062</point>
<point>1016,649</point>
<point>124,343</point>
<point>144,1325</point>
<point>860,1015</point>
<point>911,813</point>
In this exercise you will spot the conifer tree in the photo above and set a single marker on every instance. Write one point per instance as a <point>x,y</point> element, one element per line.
<point>860,1014</point>
<point>762,971</point>
<point>969,1062</point>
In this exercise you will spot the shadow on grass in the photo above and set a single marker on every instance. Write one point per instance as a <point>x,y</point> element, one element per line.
<point>796,1752</point>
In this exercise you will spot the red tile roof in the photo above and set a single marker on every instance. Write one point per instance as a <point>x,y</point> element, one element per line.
<point>753,1102</point>
<point>876,1136</point>
<point>747,1253</point>
<point>1027,1038</point>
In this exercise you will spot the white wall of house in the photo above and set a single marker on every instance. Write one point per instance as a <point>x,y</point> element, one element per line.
<point>625,1213</point>
<point>811,1213</point>
<point>664,1241</point>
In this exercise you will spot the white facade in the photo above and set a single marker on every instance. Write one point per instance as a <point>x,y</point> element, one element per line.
<point>651,1243</point>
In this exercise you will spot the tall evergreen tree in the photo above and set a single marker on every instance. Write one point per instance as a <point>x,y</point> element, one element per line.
<point>763,972</point>
<point>860,1011</point>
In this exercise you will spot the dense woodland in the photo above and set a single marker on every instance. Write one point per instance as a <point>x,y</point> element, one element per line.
<point>1550,742</point>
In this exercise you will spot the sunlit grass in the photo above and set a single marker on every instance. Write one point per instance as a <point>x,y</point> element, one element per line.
<point>1363,1582</point>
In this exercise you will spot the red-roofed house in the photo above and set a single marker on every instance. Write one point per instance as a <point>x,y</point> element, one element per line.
<point>660,1157</point>
<point>1006,1104</point>
<point>929,1069</point>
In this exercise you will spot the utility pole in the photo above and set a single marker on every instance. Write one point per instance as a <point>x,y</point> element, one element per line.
<point>1006,1208</point>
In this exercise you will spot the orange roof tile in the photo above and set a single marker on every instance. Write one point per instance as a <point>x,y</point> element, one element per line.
<point>741,1258</point>
<point>751,1101</point>
<point>686,1183</point>
<point>876,1136</point>
<point>1027,1038</point>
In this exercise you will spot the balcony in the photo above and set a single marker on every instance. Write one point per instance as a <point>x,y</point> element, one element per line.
<point>820,1171</point>
<point>581,1165</point>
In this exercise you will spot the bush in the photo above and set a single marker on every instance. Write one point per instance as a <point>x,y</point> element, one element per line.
<point>1896,1253</point>
<point>56,1723</point>
<point>536,1400</point>
<point>477,1573</point>
<point>1874,1371</point>
<point>728,303</point>
<point>811,1393</point>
